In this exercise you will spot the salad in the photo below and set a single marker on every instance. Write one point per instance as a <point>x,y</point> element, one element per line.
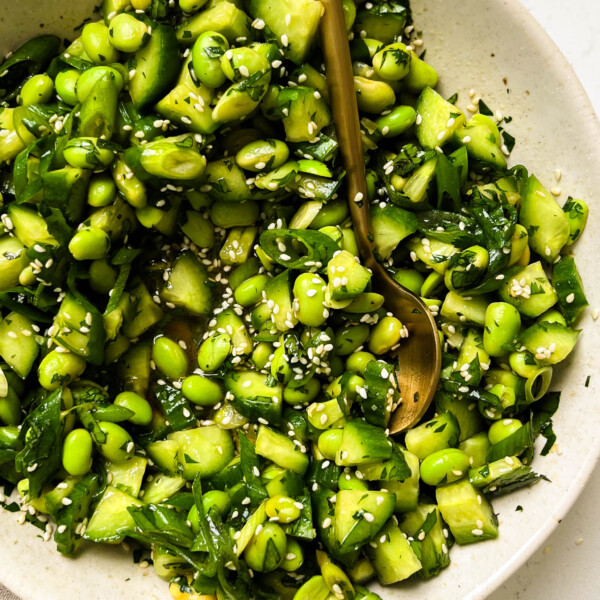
<point>193,360</point>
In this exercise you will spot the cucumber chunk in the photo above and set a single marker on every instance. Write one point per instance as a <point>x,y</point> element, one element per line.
<point>437,119</point>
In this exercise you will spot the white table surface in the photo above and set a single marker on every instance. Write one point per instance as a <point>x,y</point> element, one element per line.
<point>567,565</point>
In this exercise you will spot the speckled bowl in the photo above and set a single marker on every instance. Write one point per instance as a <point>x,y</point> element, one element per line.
<point>495,47</point>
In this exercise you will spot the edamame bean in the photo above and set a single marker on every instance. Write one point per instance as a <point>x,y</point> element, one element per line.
<point>349,338</point>
<point>102,190</point>
<point>10,408</point>
<point>169,357</point>
<point>37,90</point>
<point>102,276</point>
<point>95,38</point>
<point>206,58</point>
<point>444,466</point>
<point>240,63</point>
<point>202,391</point>
<point>142,411</point>
<point>59,368</point>
<point>126,33</point>
<point>476,448</point>
<point>214,352</point>
<point>88,153</point>
<point>334,212</point>
<point>411,279</point>
<point>216,499</point>
<point>358,362</point>
<point>373,96</point>
<point>262,155</point>
<point>398,121</point>
<point>118,445</point>
<point>302,395</point>
<point>283,508</point>
<point>89,244</point>
<point>261,354</point>
<point>294,555</point>
<point>250,291</point>
<point>266,550</point>
<point>309,295</point>
<point>329,442</point>
<point>502,429</point>
<point>385,335</point>
<point>66,83</point>
<point>392,63</point>
<point>141,4</point>
<point>77,452</point>
<point>420,75</point>
<point>502,326</point>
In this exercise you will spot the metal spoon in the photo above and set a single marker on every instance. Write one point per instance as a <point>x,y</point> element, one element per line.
<point>419,356</point>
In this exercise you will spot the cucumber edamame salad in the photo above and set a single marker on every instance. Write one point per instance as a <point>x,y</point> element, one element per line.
<point>193,357</point>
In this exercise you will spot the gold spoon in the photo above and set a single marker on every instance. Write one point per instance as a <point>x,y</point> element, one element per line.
<point>419,356</point>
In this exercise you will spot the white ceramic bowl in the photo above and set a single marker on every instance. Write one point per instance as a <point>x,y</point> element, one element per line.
<point>495,47</point>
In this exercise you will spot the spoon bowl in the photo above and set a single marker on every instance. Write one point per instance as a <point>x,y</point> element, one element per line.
<point>419,356</point>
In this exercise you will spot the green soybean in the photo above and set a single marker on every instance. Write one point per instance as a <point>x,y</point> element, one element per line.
<point>102,190</point>
<point>349,481</point>
<point>262,155</point>
<point>89,244</point>
<point>297,396</point>
<point>202,391</point>
<point>77,452</point>
<point>502,326</point>
<point>206,58</point>
<point>502,429</point>
<point>392,63</point>
<point>261,355</point>
<point>385,335</point>
<point>411,279</point>
<point>118,446</point>
<point>126,33</point>
<point>103,276</point>
<point>250,291</point>
<point>214,352</point>
<point>242,62</point>
<point>95,38</point>
<point>373,96</point>
<point>37,90</point>
<point>329,442</point>
<point>169,357</point>
<point>309,295</point>
<point>523,364</point>
<point>59,368</point>
<point>397,122</point>
<point>266,550</point>
<point>358,362</point>
<point>349,338</point>
<point>142,411</point>
<point>294,555</point>
<point>216,499</point>
<point>66,84</point>
<point>444,466</point>
<point>552,316</point>
<point>282,508</point>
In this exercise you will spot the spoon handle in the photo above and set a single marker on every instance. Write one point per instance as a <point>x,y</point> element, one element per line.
<point>334,39</point>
